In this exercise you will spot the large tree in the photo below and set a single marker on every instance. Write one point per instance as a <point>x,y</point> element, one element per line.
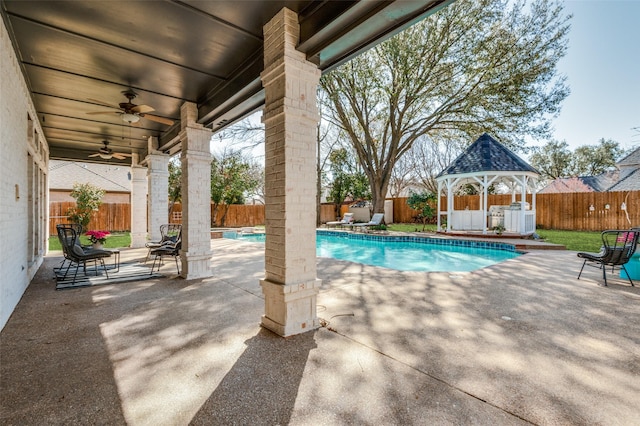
<point>474,66</point>
<point>552,160</point>
<point>591,160</point>
<point>347,181</point>
<point>175,183</point>
<point>232,178</point>
<point>431,155</point>
<point>555,160</point>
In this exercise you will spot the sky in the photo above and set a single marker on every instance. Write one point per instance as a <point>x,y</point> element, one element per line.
<point>603,69</point>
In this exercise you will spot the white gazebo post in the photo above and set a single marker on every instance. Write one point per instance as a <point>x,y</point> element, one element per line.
<point>523,202</point>
<point>485,201</point>
<point>449,204</point>
<point>438,204</point>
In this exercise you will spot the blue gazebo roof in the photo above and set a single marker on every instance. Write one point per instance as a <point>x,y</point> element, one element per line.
<point>485,155</point>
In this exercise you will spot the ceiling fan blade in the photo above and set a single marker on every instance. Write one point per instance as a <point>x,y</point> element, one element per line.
<point>103,103</point>
<point>94,155</point>
<point>142,109</point>
<point>118,156</point>
<point>157,119</point>
<point>103,112</point>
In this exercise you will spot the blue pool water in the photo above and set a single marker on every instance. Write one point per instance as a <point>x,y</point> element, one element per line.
<point>406,253</point>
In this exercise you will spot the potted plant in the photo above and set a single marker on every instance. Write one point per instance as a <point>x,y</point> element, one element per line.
<point>498,229</point>
<point>97,238</point>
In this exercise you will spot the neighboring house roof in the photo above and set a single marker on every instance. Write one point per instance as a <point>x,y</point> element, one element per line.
<point>487,154</point>
<point>625,178</point>
<point>111,178</point>
<point>629,182</point>
<point>631,160</point>
<point>598,183</point>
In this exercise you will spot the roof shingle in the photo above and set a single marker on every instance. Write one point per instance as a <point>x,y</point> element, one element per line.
<point>484,155</point>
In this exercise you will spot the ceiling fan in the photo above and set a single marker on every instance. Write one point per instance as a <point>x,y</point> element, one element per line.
<point>107,153</point>
<point>130,112</point>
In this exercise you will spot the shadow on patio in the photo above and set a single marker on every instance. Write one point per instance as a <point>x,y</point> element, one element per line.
<point>519,342</point>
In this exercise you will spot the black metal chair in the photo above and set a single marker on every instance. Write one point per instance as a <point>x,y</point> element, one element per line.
<point>169,233</point>
<point>78,228</point>
<point>169,248</point>
<point>617,248</point>
<point>74,253</point>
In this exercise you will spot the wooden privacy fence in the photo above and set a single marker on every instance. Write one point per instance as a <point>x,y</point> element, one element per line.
<point>569,211</point>
<point>238,215</point>
<point>580,211</point>
<point>114,217</point>
<point>589,211</point>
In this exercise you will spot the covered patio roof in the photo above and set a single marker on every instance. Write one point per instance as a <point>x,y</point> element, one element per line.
<point>78,57</point>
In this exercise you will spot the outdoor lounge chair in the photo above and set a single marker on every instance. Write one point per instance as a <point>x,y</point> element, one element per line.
<point>347,219</point>
<point>75,254</point>
<point>617,248</point>
<point>376,220</point>
<point>169,232</point>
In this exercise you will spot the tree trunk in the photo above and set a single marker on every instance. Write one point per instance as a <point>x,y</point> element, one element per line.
<point>214,215</point>
<point>378,195</point>
<point>224,215</point>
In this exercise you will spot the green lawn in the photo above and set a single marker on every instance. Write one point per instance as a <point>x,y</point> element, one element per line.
<point>115,240</point>
<point>573,240</point>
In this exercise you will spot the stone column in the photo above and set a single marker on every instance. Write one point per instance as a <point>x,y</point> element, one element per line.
<point>158,204</point>
<point>196,195</point>
<point>290,116</point>
<point>138,204</point>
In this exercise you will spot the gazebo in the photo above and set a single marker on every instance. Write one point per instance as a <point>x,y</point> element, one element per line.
<point>484,163</point>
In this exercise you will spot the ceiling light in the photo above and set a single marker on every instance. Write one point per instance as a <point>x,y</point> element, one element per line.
<point>130,118</point>
<point>105,156</point>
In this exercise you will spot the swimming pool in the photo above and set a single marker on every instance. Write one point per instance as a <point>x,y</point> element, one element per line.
<point>406,253</point>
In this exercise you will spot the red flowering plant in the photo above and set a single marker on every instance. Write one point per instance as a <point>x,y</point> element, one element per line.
<point>97,236</point>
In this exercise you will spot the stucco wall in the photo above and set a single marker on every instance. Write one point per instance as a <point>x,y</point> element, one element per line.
<point>24,166</point>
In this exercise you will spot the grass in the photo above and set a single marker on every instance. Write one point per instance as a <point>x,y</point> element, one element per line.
<point>411,227</point>
<point>573,240</point>
<point>115,240</point>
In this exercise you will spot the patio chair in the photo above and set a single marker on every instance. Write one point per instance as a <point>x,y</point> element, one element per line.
<point>347,219</point>
<point>376,220</point>
<point>617,248</point>
<point>169,248</point>
<point>78,228</point>
<point>169,233</point>
<point>74,253</point>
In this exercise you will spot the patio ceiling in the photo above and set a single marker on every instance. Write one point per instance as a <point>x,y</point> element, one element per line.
<point>77,56</point>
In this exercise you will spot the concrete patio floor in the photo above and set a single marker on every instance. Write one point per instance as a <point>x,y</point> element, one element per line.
<point>518,343</point>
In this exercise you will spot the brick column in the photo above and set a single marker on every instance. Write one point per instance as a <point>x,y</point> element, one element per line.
<point>158,205</point>
<point>196,195</point>
<point>290,116</point>
<point>138,206</point>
